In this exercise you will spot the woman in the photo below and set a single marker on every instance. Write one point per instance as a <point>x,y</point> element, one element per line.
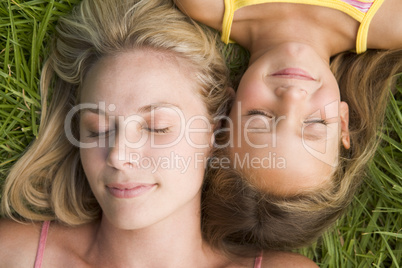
<point>116,172</point>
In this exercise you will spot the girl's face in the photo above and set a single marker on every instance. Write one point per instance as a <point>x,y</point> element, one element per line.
<point>144,136</point>
<point>288,121</point>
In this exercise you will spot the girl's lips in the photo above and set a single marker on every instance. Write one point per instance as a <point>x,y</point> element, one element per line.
<point>293,73</point>
<point>129,190</point>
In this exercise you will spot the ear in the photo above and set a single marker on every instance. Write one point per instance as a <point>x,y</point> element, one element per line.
<point>344,114</point>
<point>212,139</point>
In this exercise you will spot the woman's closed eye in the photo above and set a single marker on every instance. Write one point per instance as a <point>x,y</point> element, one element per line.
<point>100,134</point>
<point>158,130</point>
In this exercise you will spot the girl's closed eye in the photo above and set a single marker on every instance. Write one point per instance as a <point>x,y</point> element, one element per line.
<point>258,121</point>
<point>316,121</point>
<point>315,129</point>
<point>260,112</point>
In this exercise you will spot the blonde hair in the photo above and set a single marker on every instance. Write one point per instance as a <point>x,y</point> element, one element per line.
<point>48,182</point>
<point>263,221</point>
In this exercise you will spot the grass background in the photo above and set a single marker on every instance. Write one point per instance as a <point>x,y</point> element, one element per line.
<point>370,233</point>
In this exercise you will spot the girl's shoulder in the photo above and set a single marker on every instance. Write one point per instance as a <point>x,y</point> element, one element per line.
<point>209,12</point>
<point>19,243</point>
<point>385,30</point>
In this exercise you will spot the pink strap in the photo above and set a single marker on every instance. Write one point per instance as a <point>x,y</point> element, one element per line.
<point>258,261</point>
<point>42,244</point>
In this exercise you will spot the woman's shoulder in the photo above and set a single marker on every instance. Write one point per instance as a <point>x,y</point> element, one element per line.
<point>19,243</point>
<point>286,259</point>
<point>65,245</point>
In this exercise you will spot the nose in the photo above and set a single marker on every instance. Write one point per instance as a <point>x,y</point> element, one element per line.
<point>291,99</point>
<point>291,93</point>
<point>123,154</point>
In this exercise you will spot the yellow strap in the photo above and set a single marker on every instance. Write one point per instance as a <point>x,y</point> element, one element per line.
<point>227,20</point>
<point>361,39</point>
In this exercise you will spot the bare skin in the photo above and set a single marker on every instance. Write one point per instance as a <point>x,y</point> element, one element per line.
<point>255,26</point>
<point>20,242</point>
<point>84,249</point>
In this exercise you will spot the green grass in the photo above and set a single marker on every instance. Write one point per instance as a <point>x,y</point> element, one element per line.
<point>369,235</point>
<point>25,30</point>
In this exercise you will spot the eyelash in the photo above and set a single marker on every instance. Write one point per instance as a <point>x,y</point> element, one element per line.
<point>259,112</point>
<point>93,134</point>
<point>158,130</point>
<point>316,121</point>
<point>313,121</point>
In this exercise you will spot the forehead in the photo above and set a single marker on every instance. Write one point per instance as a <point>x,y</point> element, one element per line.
<point>138,75</point>
<point>285,169</point>
<point>290,180</point>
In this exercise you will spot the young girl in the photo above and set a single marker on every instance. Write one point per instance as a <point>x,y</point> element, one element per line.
<point>307,109</point>
<point>116,172</point>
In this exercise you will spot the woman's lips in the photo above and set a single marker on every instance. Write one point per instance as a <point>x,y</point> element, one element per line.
<point>129,190</point>
<point>293,73</point>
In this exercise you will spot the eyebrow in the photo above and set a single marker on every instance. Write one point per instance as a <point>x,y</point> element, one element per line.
<point>141,110</point>
<point>157,106</point>
<point>94,111</point>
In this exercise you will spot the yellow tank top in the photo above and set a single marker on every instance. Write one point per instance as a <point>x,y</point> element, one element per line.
<point>361,10</point>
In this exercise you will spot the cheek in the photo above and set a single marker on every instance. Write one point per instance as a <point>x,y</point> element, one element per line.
<point>328,97</point>
<point>92,160</point>
<point>198,133</point>
<point>252,83</point>
<point>195,147</point>
<point>190,160</point>
<point>250,91</point>
<point>335,143</point>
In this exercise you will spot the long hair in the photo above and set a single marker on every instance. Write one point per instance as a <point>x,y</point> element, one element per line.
<point>48,181</point>
<point>263,221</point>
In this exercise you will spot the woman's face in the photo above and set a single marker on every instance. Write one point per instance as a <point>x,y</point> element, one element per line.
<point>288,121</point>
<point>145,137</point>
